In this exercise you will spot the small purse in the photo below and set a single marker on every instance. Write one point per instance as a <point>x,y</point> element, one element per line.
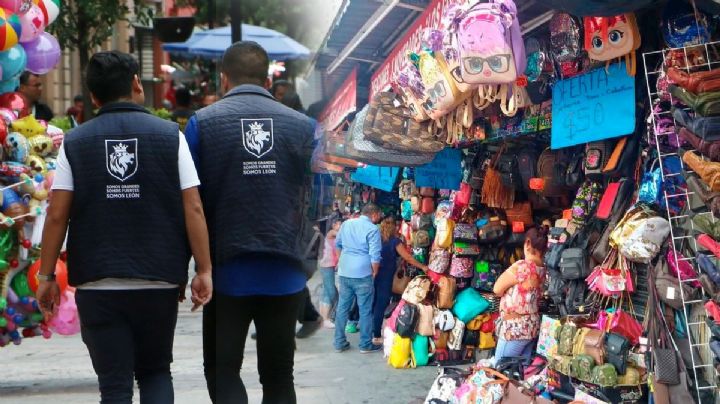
<point>617,349</point>
<point>520,212</point>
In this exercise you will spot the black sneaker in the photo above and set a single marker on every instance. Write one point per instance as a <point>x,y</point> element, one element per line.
<point>308,328</point>
<point>343,348</point>
<point>371,349</point>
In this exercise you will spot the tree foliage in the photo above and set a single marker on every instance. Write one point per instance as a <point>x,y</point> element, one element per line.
<point>84,25</point>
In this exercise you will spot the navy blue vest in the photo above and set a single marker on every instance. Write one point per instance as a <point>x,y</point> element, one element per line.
<point>254,156</point>
<point>127,218</point>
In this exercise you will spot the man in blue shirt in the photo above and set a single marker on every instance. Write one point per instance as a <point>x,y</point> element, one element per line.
<point>253,155</point>
<point>360,245</point>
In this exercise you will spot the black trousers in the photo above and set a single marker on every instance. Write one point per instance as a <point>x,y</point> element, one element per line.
<point>130,332</point>
<point>307,312</point>
<point>226,320</point>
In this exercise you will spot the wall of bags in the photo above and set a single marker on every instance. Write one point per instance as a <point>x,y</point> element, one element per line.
<point>630,204</point>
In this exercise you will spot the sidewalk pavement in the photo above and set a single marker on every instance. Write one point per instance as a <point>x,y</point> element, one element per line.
<point>59,369</point>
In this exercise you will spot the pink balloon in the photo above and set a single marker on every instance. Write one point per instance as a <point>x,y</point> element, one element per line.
<point>16,6</point>
<point>33,24</point>
<point>43,54</point>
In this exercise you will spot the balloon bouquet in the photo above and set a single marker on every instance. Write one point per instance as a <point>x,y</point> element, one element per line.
<point>27,164</point>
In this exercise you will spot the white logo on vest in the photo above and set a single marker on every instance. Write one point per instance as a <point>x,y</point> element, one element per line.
<point>121,158</point>
<point>257,136</point>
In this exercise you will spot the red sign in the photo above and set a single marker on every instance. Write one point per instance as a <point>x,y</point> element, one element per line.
<point>430,18</point>
<point>343,103</point>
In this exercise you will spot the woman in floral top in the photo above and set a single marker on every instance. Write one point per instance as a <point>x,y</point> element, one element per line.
<point>520,288</point>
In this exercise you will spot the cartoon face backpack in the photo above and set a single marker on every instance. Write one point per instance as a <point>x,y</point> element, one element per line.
<point>411,89</point>
<point>610,38</point>
<point>491,50</point>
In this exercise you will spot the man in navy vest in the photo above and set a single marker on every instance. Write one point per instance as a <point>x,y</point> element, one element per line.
<point>253,157</point>
<point>127,187</point>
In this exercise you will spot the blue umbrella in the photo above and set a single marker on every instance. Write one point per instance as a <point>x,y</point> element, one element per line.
<point>211,44</point>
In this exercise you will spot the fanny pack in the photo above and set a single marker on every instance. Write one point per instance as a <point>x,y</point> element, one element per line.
<point>707,128</point>
<point>705,104</point>
<point>698,82</point>
<point>707,148</point>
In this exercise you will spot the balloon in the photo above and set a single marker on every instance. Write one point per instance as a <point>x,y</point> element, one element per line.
<point>66,321</point>
<point>33,24</point>
<point>17,103</point>
<point>12,63</point>
<point>8,87</point>
<point>60,275</point>
<point>16,6</point>
<point>50,9</point>
<point>21,285</point>
<point>10,29</point>
<point>28,127</point>
<point>7,115</point>
<point>43,54</point>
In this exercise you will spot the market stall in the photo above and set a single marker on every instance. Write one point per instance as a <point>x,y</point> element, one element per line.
<point>595,131</point>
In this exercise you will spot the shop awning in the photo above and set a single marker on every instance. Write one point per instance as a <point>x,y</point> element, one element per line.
<point>342,104</point>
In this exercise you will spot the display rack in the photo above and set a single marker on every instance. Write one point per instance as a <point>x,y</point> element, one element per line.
<point>682,229</point>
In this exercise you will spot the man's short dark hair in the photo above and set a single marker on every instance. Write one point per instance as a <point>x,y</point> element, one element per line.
<point>110,75</point>
<point>370,209</point>
<point>25,77</point>
<point>78,98</point>
<point>183,97</point>
<point>245,62</point>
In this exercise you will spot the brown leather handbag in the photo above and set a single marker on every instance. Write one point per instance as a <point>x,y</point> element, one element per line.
<point>708,171</point>
<point>400,280</point>
<point>595,345</point>
<point>698,82</point>
<point>390,124</point>
<point>520,212</point>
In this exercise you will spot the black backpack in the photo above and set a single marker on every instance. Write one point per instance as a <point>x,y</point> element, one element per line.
<point>407,321</point>
<point>507,166</point>
<point>527,167</point>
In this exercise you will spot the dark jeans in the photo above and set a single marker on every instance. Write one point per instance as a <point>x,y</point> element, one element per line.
<point>130,332</point>
<point>225,326</point>
<point>307,312</point>
<point>383,293</point>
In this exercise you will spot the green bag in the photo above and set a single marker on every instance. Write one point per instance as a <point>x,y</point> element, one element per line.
<point>469,304</point>
<point>581,367</point>
<point>566,339</point>
<point>705,104</point>
<point>605,375</point>
<point>422,349</point>
<point>560,363</point>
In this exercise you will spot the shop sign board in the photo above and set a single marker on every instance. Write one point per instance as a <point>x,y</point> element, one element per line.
<point>594,106</point>
<point>342,104</point>
<point>382,178</point>
<point>397,59</point>
<point>444,172</point>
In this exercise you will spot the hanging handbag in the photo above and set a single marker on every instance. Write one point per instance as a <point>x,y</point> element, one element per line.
<point>520,212</point>
<point>495,194</point>
<point>439,261</point>
<point>664,358</point>
<point>400,280</point>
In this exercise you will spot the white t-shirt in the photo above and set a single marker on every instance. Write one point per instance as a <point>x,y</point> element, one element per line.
<point>188,178</point>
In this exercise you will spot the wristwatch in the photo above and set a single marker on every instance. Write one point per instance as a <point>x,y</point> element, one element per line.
<point>46,278</point>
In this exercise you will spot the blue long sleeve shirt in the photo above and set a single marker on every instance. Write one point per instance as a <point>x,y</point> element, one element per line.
<point>360,246</point>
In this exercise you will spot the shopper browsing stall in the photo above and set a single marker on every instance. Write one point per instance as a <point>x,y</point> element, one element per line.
<point>520,288</point>
<point>392,248</point>
<point>328,266</point>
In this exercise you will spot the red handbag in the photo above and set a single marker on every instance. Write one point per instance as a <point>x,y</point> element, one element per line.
<point>427,205</point>
<point>462,197</point>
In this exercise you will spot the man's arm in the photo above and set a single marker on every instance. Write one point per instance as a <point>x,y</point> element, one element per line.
<point>200,245</point>
<point>56,224</point>
<point>375,246</point>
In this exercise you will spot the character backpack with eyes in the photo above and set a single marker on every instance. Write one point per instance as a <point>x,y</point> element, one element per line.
<point>609,38</point>
<point>491,52</point>
<point>411,89</point>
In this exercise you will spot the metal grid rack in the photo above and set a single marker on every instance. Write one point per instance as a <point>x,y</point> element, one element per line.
<point>682,229</point>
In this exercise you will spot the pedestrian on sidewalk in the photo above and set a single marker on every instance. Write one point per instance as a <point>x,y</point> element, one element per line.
<point>392,248</point>
<point>328,266</point>
<point>253,157</point>
<point>126,190</point>
<point>360,244</point>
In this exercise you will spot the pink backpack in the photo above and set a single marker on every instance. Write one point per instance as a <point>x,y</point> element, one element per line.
<point>491,51</point>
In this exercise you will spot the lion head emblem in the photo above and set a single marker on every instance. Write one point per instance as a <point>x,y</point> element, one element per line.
<point>256,138</point>
<point>121,158</point>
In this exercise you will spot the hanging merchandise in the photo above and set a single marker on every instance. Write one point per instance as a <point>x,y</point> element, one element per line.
<point>377,177</point>
<point>444,172</point>
<point>610,38</point>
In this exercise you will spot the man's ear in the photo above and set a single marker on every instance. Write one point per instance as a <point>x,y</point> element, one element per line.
<point>268,83</point>
<point>95,101</point>
<point>137,87</point>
